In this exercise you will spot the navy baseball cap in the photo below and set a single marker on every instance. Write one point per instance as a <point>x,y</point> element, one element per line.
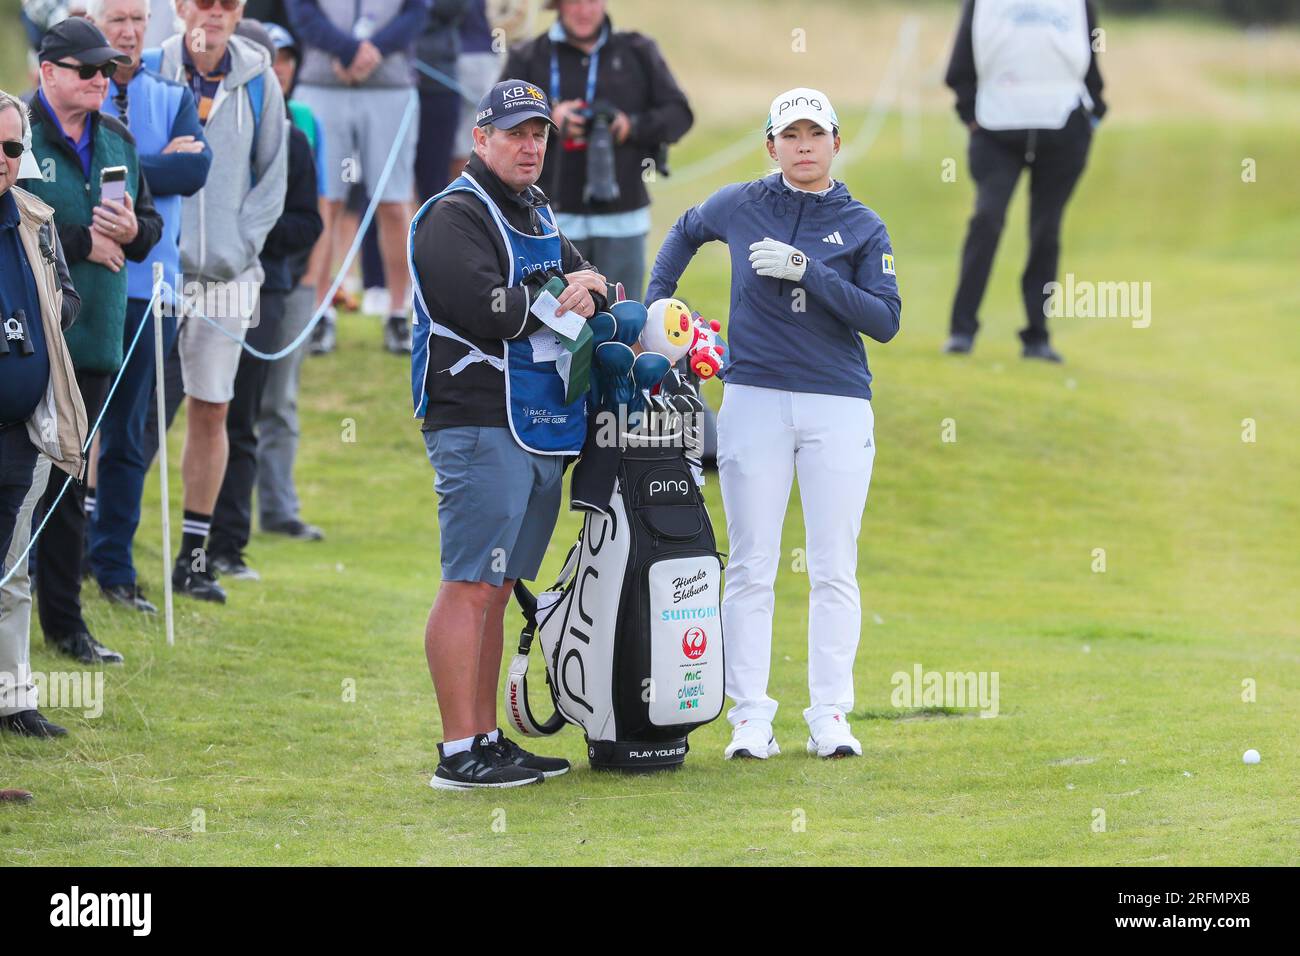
<point>80,39</point>
<point>511,102</point>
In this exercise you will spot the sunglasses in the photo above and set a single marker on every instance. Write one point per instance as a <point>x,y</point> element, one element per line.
<point>87,70</point>
<point>228,5</point>
<point>13,148</point>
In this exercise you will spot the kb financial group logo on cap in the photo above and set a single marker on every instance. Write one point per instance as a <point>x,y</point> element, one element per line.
<point>530,95</point>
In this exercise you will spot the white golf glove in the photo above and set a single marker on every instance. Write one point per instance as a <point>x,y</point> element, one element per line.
<point>778,260</point>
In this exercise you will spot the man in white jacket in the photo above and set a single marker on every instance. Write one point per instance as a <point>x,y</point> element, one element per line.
<point>1027,84</point>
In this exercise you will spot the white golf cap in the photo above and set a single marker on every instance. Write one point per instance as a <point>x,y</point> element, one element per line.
<point>801,103</point>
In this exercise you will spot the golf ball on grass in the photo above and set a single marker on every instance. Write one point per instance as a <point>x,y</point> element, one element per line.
<point>1250,756</point>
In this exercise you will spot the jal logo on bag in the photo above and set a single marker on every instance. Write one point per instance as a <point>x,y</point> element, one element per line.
<point>694,643</point>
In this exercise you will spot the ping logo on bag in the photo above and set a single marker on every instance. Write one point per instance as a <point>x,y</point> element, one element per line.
<point>665,487</point>
<point>636,608</point>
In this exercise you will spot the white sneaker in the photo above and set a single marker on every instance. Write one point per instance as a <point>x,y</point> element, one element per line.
<point>754,739</point>
<point>831,737</point>
<point>376,301</point>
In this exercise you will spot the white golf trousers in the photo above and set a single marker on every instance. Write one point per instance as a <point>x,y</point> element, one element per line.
<point>764,436</point>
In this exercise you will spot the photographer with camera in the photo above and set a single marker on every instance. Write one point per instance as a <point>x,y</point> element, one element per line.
<point>617,108</point>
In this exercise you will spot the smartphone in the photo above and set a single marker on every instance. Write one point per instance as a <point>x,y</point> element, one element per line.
<point>112,184</point>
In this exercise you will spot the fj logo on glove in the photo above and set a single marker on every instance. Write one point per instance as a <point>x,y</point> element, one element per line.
<point>796,259</point>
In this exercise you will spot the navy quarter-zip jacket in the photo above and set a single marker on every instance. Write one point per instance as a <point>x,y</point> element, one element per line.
<point>805,336</point>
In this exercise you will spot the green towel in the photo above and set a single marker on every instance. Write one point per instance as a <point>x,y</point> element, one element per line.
<point>574,365</point>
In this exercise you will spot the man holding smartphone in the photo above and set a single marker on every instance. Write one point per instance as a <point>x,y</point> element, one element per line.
<point>175,158</point>
<point>84,156</point>
<point>496,424</point>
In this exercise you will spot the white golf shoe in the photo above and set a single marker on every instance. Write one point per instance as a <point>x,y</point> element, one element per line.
<point>830,737</point>
<point>753,739</point>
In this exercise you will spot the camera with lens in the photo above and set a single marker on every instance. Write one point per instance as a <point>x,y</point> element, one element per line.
<point>598,143</point>
<point>602,184</point>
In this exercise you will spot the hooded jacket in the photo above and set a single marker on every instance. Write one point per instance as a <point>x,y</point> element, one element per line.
<point>289,244</point>
<point>805,336</point>
<point>224,224</point>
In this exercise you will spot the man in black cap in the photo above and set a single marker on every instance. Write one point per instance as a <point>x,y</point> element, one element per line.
<point>496,424</point>
<point>83,155</point>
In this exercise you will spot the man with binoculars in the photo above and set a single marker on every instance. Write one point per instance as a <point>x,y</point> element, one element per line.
<point>617,108</point>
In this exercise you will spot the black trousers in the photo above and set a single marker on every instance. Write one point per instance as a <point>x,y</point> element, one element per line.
<point>1056,159</point>
<point>232,518</point>
<point>17,465</point>
<point>59,548</point>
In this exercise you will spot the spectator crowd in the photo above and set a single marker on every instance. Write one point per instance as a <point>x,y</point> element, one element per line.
<point>235,144</point>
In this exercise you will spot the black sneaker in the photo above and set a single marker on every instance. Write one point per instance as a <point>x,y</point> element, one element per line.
<point>397,335</point>
<point>517,755</point>
<point>959,344</point>
<point>324,338</point>
<point>1041,351</point>
<point>30,723</point>
<point>129,596</point>
<point>483,765</point>
<point>235,567</point>
<point>296,529</point>
<point>82,646</point>
<point>200,585</point>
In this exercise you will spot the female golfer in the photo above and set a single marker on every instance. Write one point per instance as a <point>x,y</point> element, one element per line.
<point>811,271</point>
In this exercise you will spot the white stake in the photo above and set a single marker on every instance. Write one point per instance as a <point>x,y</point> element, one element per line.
<point>159,360</point>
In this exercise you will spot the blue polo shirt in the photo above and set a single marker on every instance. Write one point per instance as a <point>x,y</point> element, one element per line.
<point>23,378</point>
<point>84,147</point>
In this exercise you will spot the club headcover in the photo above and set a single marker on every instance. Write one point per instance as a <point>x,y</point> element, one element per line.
<point>603,326</point>
<point>631,316</point>
<point>612,374</point>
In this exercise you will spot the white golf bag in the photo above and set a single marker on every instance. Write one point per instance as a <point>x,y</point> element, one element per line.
<point>631,632</point>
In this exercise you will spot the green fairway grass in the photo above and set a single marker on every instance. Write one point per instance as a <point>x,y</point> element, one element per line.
<point>1121,693</point>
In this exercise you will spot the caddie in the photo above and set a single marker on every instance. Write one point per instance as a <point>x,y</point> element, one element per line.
<point>496,424</point>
